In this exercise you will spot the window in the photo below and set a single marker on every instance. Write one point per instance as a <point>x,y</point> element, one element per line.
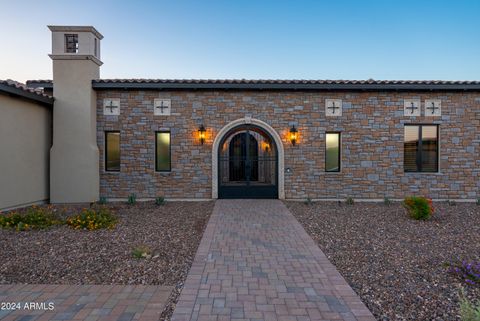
<point>112,151</point>
<point>71,43</point>
<point>332,152</point>
<point>162,152</point>
<point>420,148</point>
<point>95,48</point>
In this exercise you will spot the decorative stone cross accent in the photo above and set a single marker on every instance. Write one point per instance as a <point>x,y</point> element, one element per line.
<point>412,107</point>
<point>111,106</point>
<point>433,108</point>
<point>333,107</point>
<point>162,106</point>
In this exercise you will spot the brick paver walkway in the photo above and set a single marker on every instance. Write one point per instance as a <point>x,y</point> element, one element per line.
<point>83,302</point>
<point>256,262</point>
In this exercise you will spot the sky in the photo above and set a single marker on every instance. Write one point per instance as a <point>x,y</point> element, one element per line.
<point>262,39</point>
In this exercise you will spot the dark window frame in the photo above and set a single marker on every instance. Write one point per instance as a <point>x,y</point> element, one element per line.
<point>106,151</point>
<point>75,42</point>
<point>418,157</point>
<point>169,152</point>
<point>339,151</point>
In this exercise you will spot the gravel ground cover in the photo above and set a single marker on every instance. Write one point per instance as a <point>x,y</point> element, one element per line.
<point>396,264</point>
<point>61,255</point>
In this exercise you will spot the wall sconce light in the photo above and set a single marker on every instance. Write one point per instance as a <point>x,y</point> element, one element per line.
<point>293,135</point>
<point>201,134</point>
<point>265,146</point>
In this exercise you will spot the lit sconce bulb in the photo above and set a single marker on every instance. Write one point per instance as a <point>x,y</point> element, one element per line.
<point>201,134</point>
<point>293,135</point>
<point>266,146</point>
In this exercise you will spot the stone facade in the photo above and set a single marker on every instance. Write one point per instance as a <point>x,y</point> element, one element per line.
<point>372,133</point>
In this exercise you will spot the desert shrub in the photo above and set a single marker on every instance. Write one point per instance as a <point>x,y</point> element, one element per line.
<point>451,202</point>
<point>467,271</point>
<point>419,208</point>
<point>93,219</point>
<point>132,199</point>
<point>468,310</point>
<point>34,217</point>
<point>160,200</point>
<point>350,201</point>
<point>142,252</point>
<point>387,201</point>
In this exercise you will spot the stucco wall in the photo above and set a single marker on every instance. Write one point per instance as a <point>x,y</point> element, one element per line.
<point>25,140</point>
<point>74,154</point>
<point>372,127</point>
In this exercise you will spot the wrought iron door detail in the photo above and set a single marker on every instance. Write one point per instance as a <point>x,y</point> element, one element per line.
<point>247,164</point>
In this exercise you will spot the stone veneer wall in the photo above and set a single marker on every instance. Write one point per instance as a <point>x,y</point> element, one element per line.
<point>372,129</point>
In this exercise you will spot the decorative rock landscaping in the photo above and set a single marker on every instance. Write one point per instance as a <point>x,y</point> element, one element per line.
<point>401,268</point>
<point>62,255</point>
<point>398,266</point>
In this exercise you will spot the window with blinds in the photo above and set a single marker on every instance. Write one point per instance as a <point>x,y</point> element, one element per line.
<point>420,148</point>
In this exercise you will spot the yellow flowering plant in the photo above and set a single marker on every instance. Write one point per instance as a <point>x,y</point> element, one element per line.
<point>93,218</point>
<point>34,217</point>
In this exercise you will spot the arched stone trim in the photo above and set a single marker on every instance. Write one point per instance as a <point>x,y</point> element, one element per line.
<point>264,126</point>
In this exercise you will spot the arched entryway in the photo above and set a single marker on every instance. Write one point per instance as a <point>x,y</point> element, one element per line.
<point>247,161</point>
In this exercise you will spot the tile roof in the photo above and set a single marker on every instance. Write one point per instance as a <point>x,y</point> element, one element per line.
<point>39,81</point>
<point>21,86</point>
<point>16,88</point>
<point>369,84</point>
<point>281,81</point>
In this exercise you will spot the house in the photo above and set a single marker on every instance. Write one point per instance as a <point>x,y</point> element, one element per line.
<point>287,139</point>
<point>25,138</point>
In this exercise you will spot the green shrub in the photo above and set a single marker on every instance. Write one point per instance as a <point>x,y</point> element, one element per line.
<point>102,200</point>
<point>387,201</point>
<point>468,310</point>
<point>93,219</point>
<point>478,201</point>
<point>160,200</point>
<point>308,201</point>
<point>350,201</point>
<point>142,252</point>
<point>419,208</point>
<point>34,217</point>
<point>132,199</point>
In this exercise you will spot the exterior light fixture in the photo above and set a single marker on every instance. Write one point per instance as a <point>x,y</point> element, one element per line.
<point>201,134</point>
<point>266,146</point>
<point>293,135</point>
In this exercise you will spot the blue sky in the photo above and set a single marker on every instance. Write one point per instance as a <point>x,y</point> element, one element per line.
<point>254,39</point>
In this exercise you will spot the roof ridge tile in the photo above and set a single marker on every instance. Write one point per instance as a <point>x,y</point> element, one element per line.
<point>24,87</point>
